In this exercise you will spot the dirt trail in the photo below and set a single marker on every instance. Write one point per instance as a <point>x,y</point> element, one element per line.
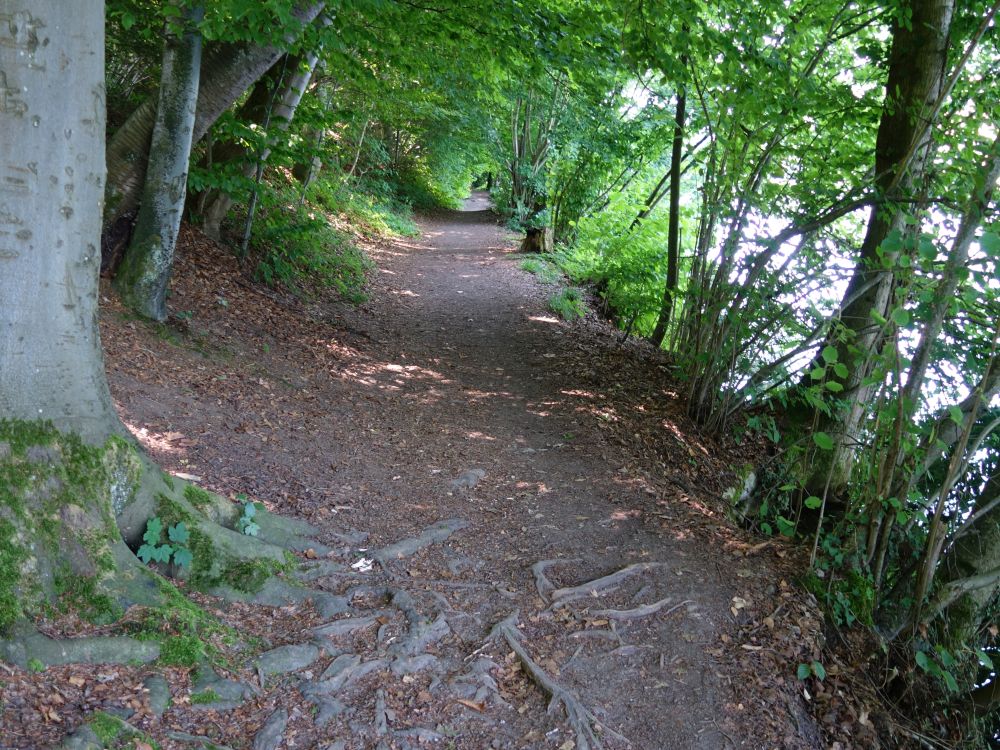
<point>455,396</point>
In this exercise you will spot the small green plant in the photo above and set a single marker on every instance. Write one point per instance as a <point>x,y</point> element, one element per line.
<point>568,303</point>
<point>246,523</point>
<point>939,667</point>
<point>152,549</point>
<point>546,271</point>
<point>205,696</point>
<point>36,665</point>
<point>814,669</point>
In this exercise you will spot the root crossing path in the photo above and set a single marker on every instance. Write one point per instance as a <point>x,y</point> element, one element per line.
<point>514,518</point>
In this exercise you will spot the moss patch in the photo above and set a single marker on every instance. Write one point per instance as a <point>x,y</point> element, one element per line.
<point>57,518</point>
<point>205,696</point>
<point>115,734</point>
<point>197,496</point>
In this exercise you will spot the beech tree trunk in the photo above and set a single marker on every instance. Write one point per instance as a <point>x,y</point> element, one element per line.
<point>52,138</point>
<point>292,86</point>
<point>145,272</point>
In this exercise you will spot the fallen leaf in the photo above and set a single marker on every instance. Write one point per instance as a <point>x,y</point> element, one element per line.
<point>471,704</point>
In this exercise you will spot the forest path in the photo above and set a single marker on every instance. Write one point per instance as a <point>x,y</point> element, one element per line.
<point>455,412</point>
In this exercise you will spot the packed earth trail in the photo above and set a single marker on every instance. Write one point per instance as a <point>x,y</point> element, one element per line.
<point>519,540</point>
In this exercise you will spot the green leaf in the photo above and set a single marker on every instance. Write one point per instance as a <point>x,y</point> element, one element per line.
<point>766,529</point>
<point>249,510</point>
<point>818,373</point>
<point>154,527</point>
<point>178,533</point>
<point>786,527</point>
<point>946,658</point>
<point>829,354</point>
<point>803,671</point>
<point>812,502</point>
<point>956,415</point>
<point>990,243</point>
<point>949,680</point>
<point>146,552</point>
<point>984,659</point>
<point>183,557</point>
<point>818,670</point>
<point>833,386</point>
<point>922,661</point>
<point>823,441</point>
<point>251,529</point>
<point>900,316</point>
<point>902,517</point>
<point>840,370</point>
<point>926,248</point>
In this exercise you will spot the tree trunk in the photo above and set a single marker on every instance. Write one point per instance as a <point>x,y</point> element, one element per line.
<point>214,203</point>
<point>902,149</point>
<point>73,487</point>
<point>145,272</point>
<point>227,71</point>
<point>673,228</point>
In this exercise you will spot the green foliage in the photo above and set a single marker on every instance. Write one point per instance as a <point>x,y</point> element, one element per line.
<point>812,669</point>
<point>246,523</point>
<point>369,205</point>
<point>36,665</point>
<point>568,303</point>
<point>546,271</point>
<point>197,496</point>
<point>294,246</point>
<point>176,549</point>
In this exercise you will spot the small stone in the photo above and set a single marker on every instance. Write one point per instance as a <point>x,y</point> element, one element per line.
<point>271,734</point>
<point>159,694</point>
<point>468,479</point>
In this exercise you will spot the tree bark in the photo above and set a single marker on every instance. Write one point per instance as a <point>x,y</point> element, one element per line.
<point>145,272</point>
<point>902,150</point>
<point>673,228</point>
<point>52,135</point>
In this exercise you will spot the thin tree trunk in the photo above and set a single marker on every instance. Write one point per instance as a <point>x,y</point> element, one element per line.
<point>673,228</point>
<point>145,272</point>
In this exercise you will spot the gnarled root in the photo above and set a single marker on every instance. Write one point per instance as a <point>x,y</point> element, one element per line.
<point>580,718</point>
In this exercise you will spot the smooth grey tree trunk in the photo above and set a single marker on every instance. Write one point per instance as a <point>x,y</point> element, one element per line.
<point>145,272</point>
<point>292,88</point>
<point>227,71</point>
<point>51,195</point>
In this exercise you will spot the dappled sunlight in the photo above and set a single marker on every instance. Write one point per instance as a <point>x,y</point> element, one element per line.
<point>476,435</point>
<point>543,319</point>
<point>160,442</point>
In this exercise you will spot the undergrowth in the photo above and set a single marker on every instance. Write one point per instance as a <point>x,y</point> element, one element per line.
<point>568,303</point>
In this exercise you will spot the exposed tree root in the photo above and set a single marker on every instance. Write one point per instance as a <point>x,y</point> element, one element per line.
<point>407,547</point>
<point>644,611</point>
<point>601,585</point>
<point>580,718</point>
<point>542,583</point>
